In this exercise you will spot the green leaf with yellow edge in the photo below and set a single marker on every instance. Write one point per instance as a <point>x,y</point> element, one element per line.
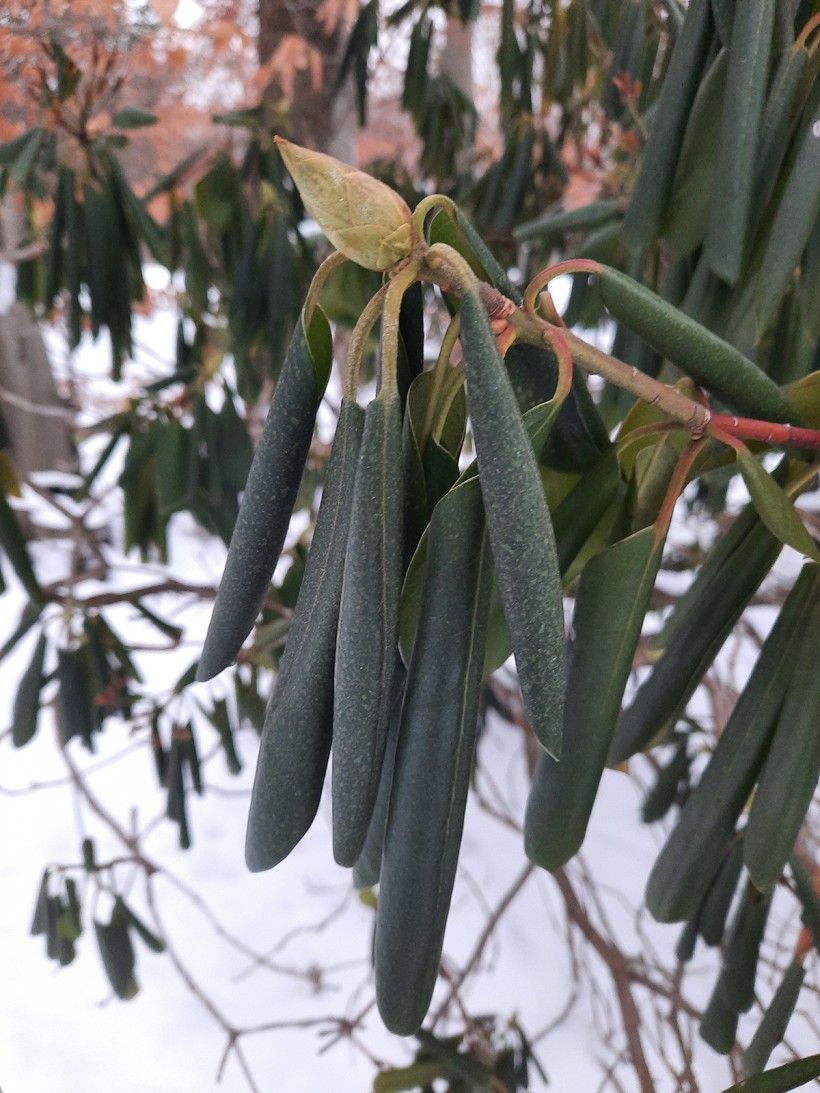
<point>775,509</point>
<point>9,478</point>
<point>415,1076</point>
<point>804,395</point>
<point>579,512</point>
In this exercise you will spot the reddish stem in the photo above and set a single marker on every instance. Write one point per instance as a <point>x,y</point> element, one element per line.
<point>767,431</point>
<point>677,484</point>
<point>542,279</point>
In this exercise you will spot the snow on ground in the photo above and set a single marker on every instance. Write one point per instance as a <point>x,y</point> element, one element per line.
<point>60,1030</point>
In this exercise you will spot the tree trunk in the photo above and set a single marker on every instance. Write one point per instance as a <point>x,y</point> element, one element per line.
<point>319,118</point>
<point>34,415</point>
<point>457,57</point>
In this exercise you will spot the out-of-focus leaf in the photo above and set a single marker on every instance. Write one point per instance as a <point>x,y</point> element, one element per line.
<point>130,117</point>
<point>14,546</point>
<point>415,1076</point>
<point>772,1028</point>
<point>775,509</point>
<point>809,900</point>
<point>27,701</point>
<point>39,922</point>
<point>746,81</point>
<point>117,954</point>
<point>781,1079</point>
<point>125,913</point>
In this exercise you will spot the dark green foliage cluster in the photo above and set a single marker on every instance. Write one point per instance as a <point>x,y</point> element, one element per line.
<point>59,913</point>
<point>426,570</point>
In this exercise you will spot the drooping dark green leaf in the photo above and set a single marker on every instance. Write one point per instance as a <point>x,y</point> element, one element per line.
<point>39,921</point>
<point>714,910</point>
<point>772,1028</point>
<point>220,717</point>
<point>411,339</point>
<point>27,701</point>
<point>789,776</point>
<point>687,212</point>
<point>780,115</point>
<point>414,1076</point>
<point>368,628</point>
<point>578,436</point>
<point>269,495</point>
<point>14,546</point>
<point>555,223</point>
<point>580,511</point>
<point>367,870</point>
<point>718,1027</point>
<point>28,617</point>
<point>117,954</point>
<point>131,919</point>
<point>73,906</point>
<point>660,157</point>
<point>782,1078</point>
<point>612,599</point>
<point>690,857</point>
<point>737,976</point>
<point>355,58</point>
<point>430,463</point>
<point>796,215</point>
<point>433,761</point>
<point>746,81</point>
<point>18,147</point>
<point>664,792</point>
<point>519,525</point>
<point>76,712</point>
<point>696,629</point>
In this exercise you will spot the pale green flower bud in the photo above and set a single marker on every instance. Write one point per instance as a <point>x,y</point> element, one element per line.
<point>364,219</point>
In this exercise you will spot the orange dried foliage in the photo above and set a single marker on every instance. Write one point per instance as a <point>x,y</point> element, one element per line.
<point>291,56</point>
<point>331,13</point>
<point>182,74</point>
